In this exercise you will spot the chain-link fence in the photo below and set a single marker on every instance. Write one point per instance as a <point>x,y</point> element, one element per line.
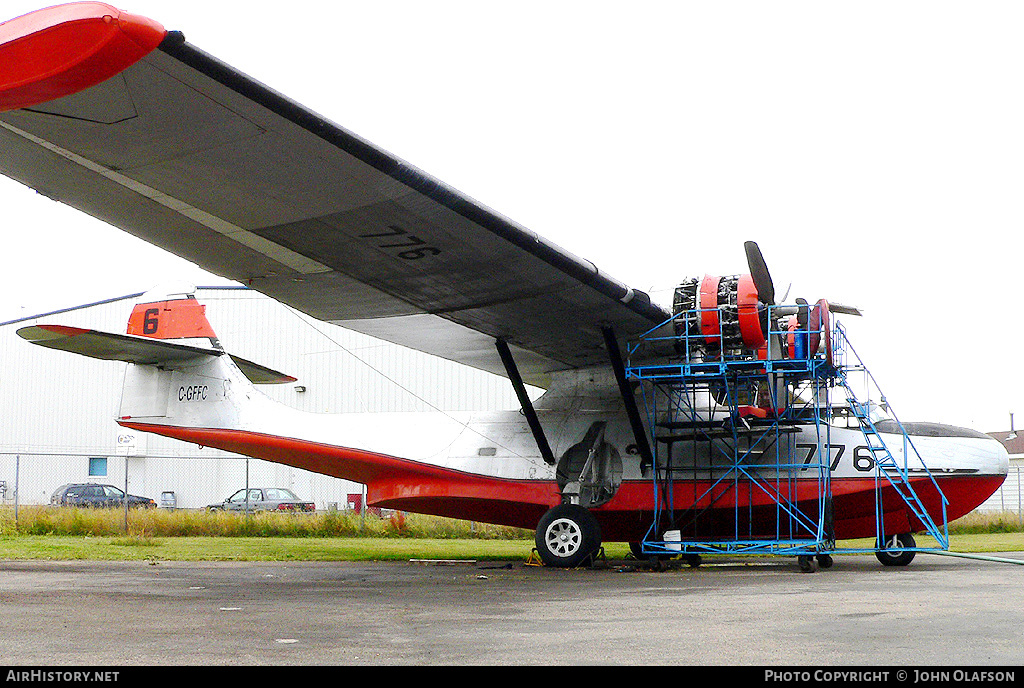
<point>1008,497</point>
<point>176,482</point>
<point>172,482</point>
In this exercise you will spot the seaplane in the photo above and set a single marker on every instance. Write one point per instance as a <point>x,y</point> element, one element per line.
<point>112,114</point>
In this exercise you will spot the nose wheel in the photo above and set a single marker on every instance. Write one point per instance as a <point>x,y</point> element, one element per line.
<point>567,536</point>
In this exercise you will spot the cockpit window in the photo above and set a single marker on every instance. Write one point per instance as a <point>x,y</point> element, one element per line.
<point>878,412</point>
<point>843,417</point>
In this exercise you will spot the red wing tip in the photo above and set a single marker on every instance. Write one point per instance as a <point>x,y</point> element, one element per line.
<point>147,32</point>
<point>62,330</point>
<point>281,379</point>
<point>61,50</point>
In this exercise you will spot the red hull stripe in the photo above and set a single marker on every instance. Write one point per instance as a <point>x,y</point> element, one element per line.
<point>424,488</point>
<point>54,52</point>
<point>386,477</point>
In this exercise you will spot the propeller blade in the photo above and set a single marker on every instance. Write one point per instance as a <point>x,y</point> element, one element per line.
<point>845,310</point>
<point>759,272</point>
<point>785,294</point>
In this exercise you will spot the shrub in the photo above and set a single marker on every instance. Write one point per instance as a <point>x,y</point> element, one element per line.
<point>982,522</point>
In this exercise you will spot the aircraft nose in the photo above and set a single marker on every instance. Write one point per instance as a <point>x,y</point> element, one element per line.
<point>1004,458</point>
<point>969,465</point>
<point>954,449</point>
<point>992,458</point>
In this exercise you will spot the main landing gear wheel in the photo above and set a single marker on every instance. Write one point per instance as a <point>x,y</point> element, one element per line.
<point>567,536</point>
<point>888,554</point>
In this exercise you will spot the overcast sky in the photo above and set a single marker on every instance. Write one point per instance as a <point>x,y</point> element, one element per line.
<point>872,149</point>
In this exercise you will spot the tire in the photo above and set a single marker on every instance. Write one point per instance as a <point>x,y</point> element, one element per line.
<point>567,536</point>
<point>890,557</point>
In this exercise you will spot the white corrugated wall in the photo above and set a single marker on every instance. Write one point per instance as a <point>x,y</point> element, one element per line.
<point>1009,496</point>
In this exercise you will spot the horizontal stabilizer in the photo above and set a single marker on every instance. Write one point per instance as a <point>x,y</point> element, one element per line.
<point>261,375</point>
<point>140,350</point>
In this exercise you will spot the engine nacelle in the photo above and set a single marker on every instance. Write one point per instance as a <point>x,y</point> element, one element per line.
<point>721,313</point>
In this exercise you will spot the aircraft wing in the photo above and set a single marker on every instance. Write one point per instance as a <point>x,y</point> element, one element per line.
<point>189,154</point>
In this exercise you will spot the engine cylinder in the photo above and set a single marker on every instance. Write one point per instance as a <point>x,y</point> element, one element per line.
<point>720,314</point>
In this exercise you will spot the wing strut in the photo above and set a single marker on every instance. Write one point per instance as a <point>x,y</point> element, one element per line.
<point>524,401</point>
<point>635,421</point>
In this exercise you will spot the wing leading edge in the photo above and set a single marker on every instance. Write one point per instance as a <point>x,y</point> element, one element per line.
<point>187,153</point>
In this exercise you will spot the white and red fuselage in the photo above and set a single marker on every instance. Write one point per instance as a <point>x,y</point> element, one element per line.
<point>486,466</point>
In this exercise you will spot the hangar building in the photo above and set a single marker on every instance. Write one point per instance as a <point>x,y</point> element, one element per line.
<point>1010,496</point>
<point>57,409</point>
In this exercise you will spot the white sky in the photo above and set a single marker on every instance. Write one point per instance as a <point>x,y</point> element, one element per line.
<point>872,149</point>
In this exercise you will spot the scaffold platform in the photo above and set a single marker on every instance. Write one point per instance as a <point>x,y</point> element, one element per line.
<point>741,437</point>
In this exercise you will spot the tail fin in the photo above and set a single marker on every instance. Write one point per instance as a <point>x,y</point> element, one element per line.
<point>178,315</point>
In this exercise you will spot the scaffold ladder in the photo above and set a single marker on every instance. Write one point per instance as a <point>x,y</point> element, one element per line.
<point>897,475</point>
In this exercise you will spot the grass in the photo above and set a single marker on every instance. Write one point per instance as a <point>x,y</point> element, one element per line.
<point>217,548</point>
<point>102,534</point>
<point>978,522</point>
<point>156,534</point>
<point>153,523</point>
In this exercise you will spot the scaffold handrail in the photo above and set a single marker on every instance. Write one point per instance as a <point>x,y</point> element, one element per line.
<point>868,428</point>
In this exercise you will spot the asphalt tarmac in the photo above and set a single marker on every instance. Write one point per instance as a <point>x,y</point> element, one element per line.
<point>938,611</point>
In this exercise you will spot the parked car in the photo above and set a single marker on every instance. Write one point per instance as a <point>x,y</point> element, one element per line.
<point>263,499</point>
<point>93,495</point>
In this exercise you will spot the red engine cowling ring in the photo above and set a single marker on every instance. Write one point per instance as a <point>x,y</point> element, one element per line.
<point>820,327</point>
<point>748,314</point>
<point>791,333</point>
<point>710,326</point>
